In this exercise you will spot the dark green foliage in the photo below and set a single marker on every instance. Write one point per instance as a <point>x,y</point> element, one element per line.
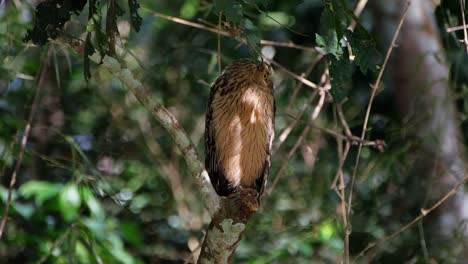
<point>135,18</point>
<point>89,49</point>
<point>334,21</point>
<point>232,9</point>
<point>329,45</point>
<point>51,16</point>
<point>236,13</point>
<point>341,73</point>
<point>102,182</point>
<point>449,12</point>
<point>364,49</point>
<point>334,18</point>
<point>94,20</point>
<point>251,33</point>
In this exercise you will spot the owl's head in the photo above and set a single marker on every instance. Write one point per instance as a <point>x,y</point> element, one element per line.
<point>263,74</point>
<point>248,72</point>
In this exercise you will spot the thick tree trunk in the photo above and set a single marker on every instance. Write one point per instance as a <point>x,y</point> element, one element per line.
<point>421,87</point>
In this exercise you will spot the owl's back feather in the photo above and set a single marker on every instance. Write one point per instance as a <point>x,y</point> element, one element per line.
<point>239,129</point>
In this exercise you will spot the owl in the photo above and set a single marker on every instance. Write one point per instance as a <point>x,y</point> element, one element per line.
<point>240,127</point>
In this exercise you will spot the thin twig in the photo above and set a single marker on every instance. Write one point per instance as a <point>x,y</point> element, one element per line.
<point>319,105</point>
<point>342,118</point>
<point>349,140</point>
<point>357,12</point>
<point>5,152</point>
<point>452,29</point>
<point>288,44</point>
<point>339,172</point>
<point>206,22</point>
<point>166,119</point>
<point>422,240</point>
<point>297,77</point>
<point>366,119</point>
<point>353,140</point>
<point>57,243</point>
<point>172,126</point>
<point>282,170</point>
<point>344,205</point>
<point>287,130</point>
<point>369,106</point>
<point>24,140</point>
<point>285,133</point>
<point>423,213</point>
<point>304,75</point>
<point>465,33</point>
<point>324,82</point>
<point>340,190</point>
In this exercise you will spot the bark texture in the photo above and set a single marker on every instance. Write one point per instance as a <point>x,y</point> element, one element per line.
<point>420,80</point>
<point>227,226</point>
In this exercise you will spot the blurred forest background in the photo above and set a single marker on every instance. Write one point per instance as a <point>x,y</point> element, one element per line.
<point>99,180</point>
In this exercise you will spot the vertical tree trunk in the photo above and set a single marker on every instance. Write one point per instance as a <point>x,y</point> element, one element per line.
<point>420,78</point>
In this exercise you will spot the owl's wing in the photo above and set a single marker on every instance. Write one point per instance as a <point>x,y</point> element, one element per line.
<point>217,177</point>
<point>262,179</point>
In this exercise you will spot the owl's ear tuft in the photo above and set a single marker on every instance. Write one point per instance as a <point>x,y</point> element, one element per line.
<point>262,67</point>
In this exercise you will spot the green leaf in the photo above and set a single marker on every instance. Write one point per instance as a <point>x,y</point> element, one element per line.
<point>25,210</point>
<point>117,249</point>
<point>131,233</point>
<point>341,72</point>
<point>40,190</point>
<point>303,247</point>
<point>231,9</point>
<point>94,206</point>
<point>220,5</point>
<point>326,231</point>
<point>260,2</point>
<point>251,34</point>
<point>364,49</point>
<point>4,194</point>
<point>276,19</point>
<point>328,45</point>
<point>135,18</point>
<point>189,9</point>
<point>69,201</point>
<point>333,19</point>
<point>50,16</point>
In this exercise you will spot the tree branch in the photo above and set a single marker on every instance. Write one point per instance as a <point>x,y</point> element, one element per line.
<point>423,213</point>
<point>229,215</point>
<point>288,44</point>
<point>168,121</point>
<point>371,100</point>
<point>465,34</point>
<point>24,141</point>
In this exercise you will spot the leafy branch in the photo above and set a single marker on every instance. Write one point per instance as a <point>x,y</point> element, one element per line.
<point>24,140</point>
<point>170,123</point>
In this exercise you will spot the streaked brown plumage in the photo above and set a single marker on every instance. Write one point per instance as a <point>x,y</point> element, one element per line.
<point>240,127</point>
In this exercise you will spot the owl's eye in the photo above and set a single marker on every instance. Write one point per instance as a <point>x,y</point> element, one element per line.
<point>265,76</point>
